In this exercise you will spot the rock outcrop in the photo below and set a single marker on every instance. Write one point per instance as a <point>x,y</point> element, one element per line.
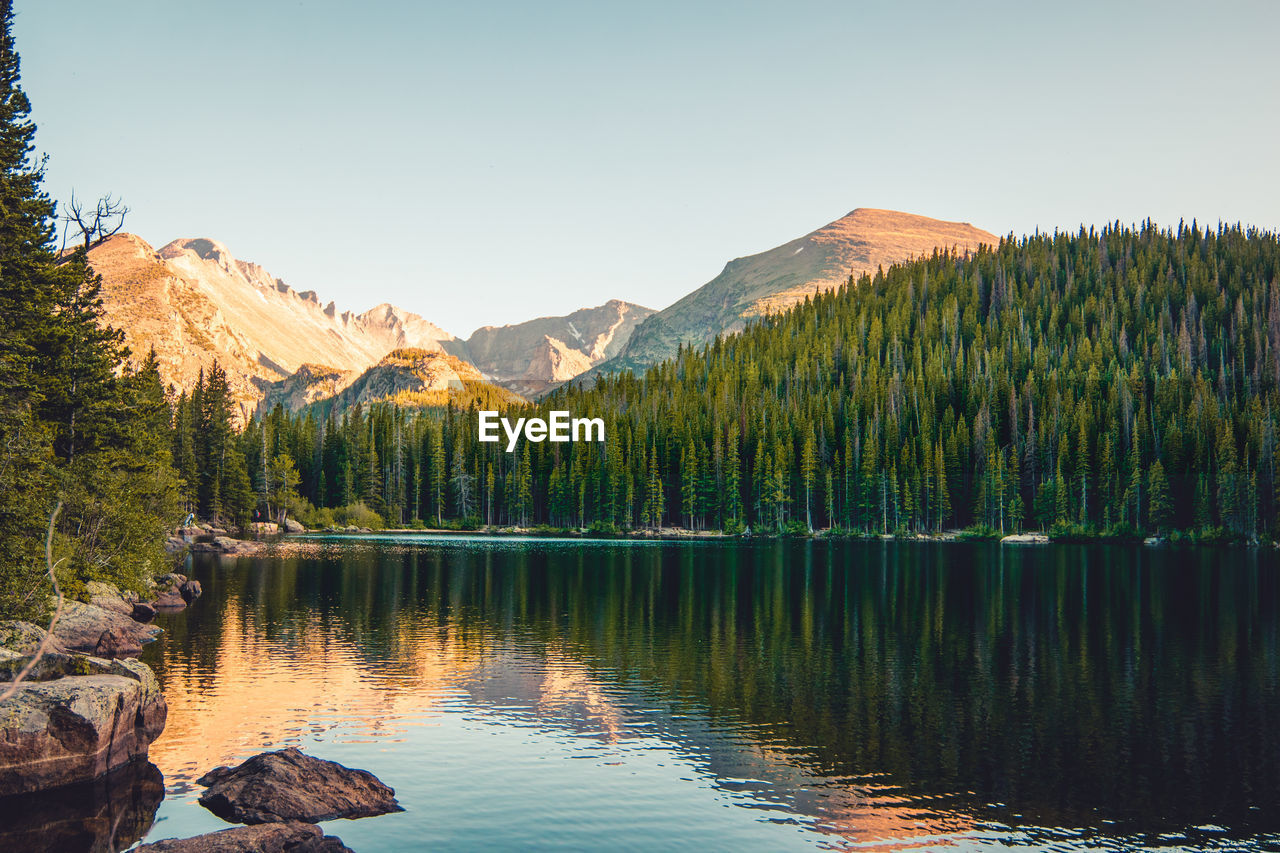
<point>227,545</point>
<point>98,631</point>
<point>410,377</point>
<point>22,638</point>
<point>534,356</point>
<point>290,837</point>
<point>93,716</point>
<point>288,785</point>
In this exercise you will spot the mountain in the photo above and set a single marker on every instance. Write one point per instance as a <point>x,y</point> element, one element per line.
<point>405,376</point>
<point>773,281</point>
<point>311,383</point>
<point>194,302</point>
<point>534,356</point>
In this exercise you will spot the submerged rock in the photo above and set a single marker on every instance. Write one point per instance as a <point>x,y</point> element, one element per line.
<point>96,631</point>
<point>290,837</point>
<point>288,785</point>
<point>80,726</point>
<point>107,814</point>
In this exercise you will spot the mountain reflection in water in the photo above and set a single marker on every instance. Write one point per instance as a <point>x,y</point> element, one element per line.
<point>754,696</point>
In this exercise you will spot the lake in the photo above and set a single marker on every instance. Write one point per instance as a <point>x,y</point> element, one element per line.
<point>574,695</point>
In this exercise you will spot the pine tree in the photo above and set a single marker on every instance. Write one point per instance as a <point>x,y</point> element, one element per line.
<point>1159,506</point>
<point>76,426</point>
<point>808,472</point>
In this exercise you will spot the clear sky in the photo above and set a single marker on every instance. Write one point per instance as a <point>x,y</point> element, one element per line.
<point>485,163</point>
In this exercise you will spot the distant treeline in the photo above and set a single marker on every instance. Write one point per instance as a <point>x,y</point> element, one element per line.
<point>1115,382</point>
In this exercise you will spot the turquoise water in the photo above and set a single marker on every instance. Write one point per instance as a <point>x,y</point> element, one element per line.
<point>535,694</point>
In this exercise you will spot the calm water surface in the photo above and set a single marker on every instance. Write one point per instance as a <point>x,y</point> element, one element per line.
<point>523,694</point>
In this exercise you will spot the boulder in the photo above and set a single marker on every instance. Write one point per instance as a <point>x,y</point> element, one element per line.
<point>290,837</point>
<point>108,597</point>
<point>1025,539</point>
<point>288,785</point>
<point>190,591</point>
<point>22,637</point>
<point>226,545</point>
<point>143,611</point>
<point>106,814</point>
<point>292,526</point>
<point>169,599</point>
<point>53,665</point>
<point>78,727</point>
<point>107,633</point>
<point>168,592</point>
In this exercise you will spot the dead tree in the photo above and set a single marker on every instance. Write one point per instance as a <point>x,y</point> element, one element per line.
<point>92,225</point>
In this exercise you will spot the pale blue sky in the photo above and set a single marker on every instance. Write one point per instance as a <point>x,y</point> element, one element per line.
<point>485,163</point>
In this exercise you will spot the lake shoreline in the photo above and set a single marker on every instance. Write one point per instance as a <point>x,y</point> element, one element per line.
<point>1027,538</point>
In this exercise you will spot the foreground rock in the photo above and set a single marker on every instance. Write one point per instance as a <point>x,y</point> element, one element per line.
<point>97,631</point>
<point>106,814</point>
<point>290,837</point>
<point>93,716</point>
<point>288,785</point>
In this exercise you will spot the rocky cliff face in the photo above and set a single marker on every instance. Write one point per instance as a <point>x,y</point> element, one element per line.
<point>534,356</point>
<point>194,302</point>
<point>310,384</point>
<point>407,376</point>
<point>772,281</point>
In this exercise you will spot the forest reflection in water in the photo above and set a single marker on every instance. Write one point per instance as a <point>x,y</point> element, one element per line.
<point>883,694</point>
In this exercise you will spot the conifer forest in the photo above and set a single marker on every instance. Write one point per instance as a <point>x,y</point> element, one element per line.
<point>1115,382</point>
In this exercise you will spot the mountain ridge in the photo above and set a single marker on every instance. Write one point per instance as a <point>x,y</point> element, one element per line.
<point>194,303</point>
<point>751,286</point>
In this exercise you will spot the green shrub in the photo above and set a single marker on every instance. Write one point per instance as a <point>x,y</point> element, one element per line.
<point>604,529</point>
<point>795,528</point>
<point>358,515</point>
<point>978,533</point>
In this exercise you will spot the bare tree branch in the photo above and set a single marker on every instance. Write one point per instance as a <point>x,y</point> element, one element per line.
<point>57,612</point>
<point>93,226</point>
